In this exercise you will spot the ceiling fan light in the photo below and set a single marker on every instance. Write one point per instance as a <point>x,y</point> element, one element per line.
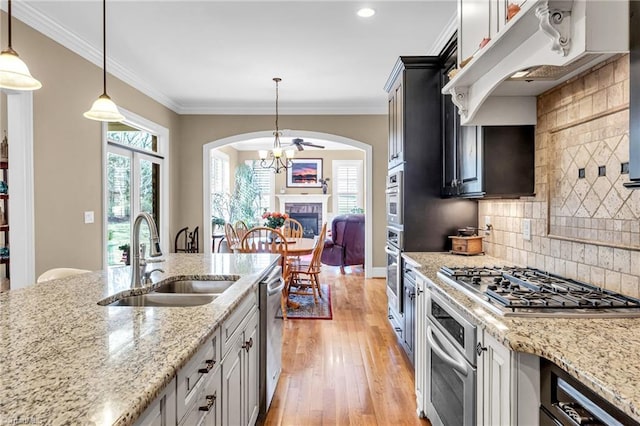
<point>104,109</point>
<point>14,73</point>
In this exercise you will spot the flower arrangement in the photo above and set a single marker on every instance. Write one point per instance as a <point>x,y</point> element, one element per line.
<point>274,220</point>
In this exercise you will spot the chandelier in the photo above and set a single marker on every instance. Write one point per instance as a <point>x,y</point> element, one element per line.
<point>273,159</point>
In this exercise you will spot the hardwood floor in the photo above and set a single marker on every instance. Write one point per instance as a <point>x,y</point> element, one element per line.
<point>349,370</point>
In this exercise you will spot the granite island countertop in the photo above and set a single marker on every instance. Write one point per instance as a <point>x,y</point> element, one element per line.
<point>602,353</point>
<point>66,360</point>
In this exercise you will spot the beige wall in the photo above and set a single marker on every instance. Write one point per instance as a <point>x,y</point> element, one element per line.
<point>198,130</point>
<point>581,228</point>
<point>68,149</point>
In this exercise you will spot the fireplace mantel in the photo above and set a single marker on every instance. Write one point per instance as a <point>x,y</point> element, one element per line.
<point>303,198</point>
<point>285,199</point>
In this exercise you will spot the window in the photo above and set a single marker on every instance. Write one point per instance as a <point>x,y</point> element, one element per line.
<point>134,183</point>
<point>219,172</point>
<point>266,182</point>
<point>347,186</point>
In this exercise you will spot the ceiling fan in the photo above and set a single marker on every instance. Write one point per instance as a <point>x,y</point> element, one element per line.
<point>300,144</point>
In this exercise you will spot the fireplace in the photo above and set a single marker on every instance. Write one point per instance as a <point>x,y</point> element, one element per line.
<point>309,222</point>
<point>308,209</point>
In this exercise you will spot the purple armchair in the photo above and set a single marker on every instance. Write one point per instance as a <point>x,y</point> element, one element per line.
<point>346,245</point>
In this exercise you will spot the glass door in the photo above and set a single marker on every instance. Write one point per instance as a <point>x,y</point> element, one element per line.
<point>118,204</point>
<point>133,184</point>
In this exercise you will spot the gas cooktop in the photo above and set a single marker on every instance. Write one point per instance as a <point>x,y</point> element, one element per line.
<point>516,291</point>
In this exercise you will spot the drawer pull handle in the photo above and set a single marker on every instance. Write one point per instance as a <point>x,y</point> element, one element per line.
<point>211,399</point>
<point>209,365</point>
<point>248,344</point>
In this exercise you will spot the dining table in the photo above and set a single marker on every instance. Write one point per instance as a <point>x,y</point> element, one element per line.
<point>295,246</point>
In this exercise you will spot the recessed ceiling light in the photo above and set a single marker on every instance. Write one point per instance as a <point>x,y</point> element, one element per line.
<point>366,12</point>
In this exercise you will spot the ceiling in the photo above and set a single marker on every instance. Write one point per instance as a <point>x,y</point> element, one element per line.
<point>219,57</point>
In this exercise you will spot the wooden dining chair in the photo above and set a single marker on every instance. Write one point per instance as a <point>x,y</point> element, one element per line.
<point>231,237</point>
<point>304,278</point>
<point>241,228</point>
<point>267,240</point>
<point>292,228</point>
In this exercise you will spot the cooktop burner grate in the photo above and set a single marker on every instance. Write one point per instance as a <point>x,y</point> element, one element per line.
<point>519,289</point>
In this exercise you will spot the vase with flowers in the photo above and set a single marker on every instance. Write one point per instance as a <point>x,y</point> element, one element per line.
<point>274,220</point>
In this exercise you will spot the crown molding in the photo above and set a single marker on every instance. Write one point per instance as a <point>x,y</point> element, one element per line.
<point>41,23</point>
<point>300,110</point>
<point>444,36</point>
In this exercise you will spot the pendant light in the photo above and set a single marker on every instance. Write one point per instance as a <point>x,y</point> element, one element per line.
<point>104,109</point>
<point>277,163</point>
<point>14,73</point>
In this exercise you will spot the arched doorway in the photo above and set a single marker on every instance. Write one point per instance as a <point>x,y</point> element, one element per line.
<point>368,179</point>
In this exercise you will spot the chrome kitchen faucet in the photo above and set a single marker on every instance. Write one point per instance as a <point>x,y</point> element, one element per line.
<point>139,263</point>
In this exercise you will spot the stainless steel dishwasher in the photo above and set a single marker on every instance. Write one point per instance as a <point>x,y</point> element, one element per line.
<point>270,337</point>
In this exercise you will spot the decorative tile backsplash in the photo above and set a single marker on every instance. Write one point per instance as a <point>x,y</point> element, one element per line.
<point>584,223</point>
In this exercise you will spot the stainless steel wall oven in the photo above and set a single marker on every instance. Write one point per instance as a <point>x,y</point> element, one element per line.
<point>451,365</point>
<point>394,274</point>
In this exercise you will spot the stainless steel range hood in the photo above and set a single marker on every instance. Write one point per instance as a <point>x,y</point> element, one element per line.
<point>545,44</point>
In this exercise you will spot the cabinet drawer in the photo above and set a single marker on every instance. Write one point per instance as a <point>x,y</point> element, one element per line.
<point>460,246</point>
<point>198,369</point>
<point>232,324</point>
<point>205,406</point>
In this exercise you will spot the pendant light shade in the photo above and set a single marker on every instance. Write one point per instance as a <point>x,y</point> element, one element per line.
<point>104,109</point>
<point>14,73</point>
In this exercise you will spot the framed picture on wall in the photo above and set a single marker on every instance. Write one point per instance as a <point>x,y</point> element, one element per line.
<point>305,173</point>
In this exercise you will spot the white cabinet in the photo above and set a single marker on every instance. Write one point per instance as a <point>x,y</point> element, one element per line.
<point>508,385</point>
<point>163,410</point>
<point>198,386</point>
<point>211,392</point>
<point>421,375</point>
<point>494,398</point>
<point>240,385</point>
<point>206,409</point>
<point>473,26</point>
<point>478,19</point>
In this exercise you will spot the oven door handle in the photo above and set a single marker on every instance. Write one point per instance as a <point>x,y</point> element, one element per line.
<point>391,252</point>
<point>458,364</point>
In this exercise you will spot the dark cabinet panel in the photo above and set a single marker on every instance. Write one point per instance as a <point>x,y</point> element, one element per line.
<point>497,161</point>
<point>428,219</point>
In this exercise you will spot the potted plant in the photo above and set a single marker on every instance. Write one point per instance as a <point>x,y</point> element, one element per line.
<point>126,258</point>
<point>217,223</point>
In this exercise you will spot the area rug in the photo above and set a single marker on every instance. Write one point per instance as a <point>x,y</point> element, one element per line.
<point>308,309</point>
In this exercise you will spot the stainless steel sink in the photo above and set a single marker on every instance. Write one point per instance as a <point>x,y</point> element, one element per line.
<point>163,299</point>
<point>194,287</point>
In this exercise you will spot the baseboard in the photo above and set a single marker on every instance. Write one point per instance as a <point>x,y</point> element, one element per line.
<point>378,272</point>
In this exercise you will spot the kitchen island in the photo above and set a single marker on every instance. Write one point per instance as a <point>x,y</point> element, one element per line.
<point>64,359</point>
<point>601,353</point>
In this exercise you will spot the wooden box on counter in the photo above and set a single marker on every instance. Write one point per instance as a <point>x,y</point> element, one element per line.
<point>466,245</point>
